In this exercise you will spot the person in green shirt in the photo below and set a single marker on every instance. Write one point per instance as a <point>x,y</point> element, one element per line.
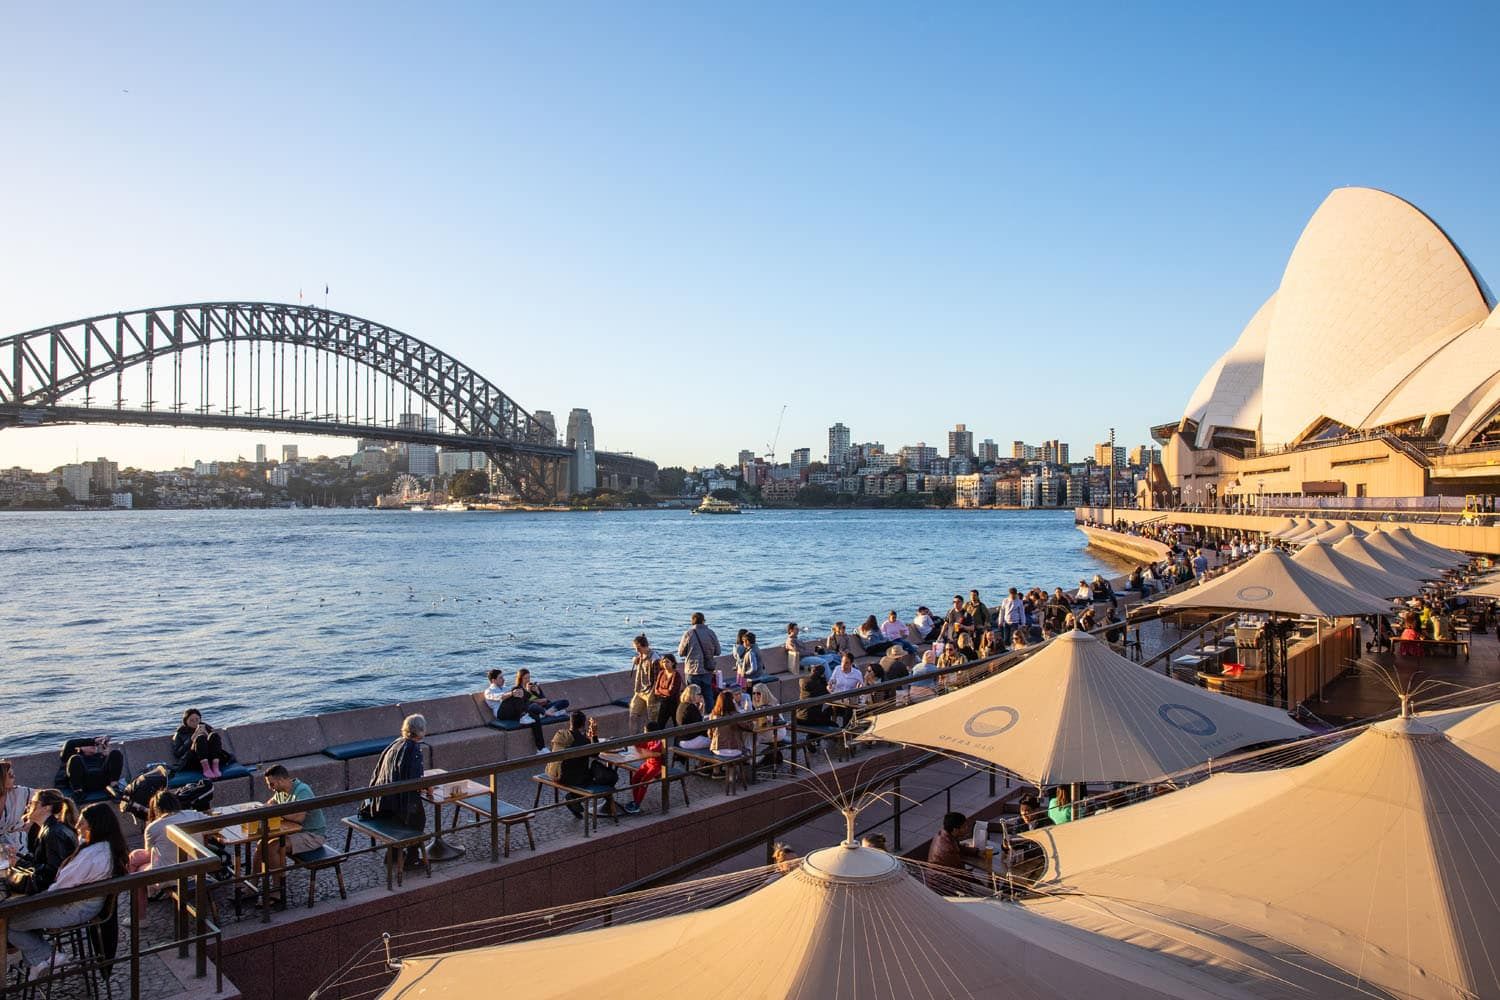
<point>1058,809</point>
<point>303,845</point>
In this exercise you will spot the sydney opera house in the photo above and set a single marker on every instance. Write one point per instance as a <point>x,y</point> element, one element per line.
<point>1372,370</point>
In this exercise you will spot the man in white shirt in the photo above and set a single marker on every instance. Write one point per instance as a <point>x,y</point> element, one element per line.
<point>925,624</point>
<point>894,628</point>
<point>845,678</point>
<point>1012,616</point>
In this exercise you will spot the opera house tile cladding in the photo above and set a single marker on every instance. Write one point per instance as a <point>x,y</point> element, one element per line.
<point>1372,370</point>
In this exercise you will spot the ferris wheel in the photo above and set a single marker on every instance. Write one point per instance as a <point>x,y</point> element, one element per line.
<point>408,487</point>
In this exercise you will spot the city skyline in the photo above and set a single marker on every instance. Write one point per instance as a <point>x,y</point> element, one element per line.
<point>1087,210</point>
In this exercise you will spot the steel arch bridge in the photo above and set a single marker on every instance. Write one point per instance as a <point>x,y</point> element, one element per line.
<point>349,377</point>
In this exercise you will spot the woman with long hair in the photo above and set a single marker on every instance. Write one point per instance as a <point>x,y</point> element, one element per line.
<point>666,692</point>
<point>728,738</point>
<point>50,841</point>
<point>101,854</point>
<point>13,799</point>
<point>196,746</point>
<point>690,711</point>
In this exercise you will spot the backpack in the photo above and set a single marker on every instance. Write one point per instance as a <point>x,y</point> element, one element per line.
<point>197,795</point>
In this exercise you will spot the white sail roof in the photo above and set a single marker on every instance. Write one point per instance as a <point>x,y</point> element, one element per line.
<point>1359,549</point>
<point>1323,559</point>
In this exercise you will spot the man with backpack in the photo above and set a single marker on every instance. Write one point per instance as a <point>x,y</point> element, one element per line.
<point>698,648</point>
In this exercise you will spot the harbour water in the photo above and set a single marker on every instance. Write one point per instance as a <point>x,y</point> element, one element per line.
<point>115,622</point>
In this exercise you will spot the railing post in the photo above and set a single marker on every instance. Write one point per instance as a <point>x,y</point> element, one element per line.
<point>992,780</point>
<point>135,950</point>
<point>896,818</point>
<point>200,904</point>
<point>265,872</point>
<point>666,777</point>
<point>179,913</point>
<point>5,976</point>
<point>495,816</point>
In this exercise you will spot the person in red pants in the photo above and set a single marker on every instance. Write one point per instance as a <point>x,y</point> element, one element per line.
<point>654,751</point>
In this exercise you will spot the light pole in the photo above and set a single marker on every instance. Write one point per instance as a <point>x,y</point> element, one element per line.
<point>1111,477</point>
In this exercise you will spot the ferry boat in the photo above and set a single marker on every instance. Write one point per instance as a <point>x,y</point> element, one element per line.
<point>713,505</point>
<point>456,505</point>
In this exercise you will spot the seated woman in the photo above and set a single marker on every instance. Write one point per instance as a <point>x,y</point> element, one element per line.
<point>165,810</point>
<point>14,798</point>
<point>535,699</point>
<point>1100,589</point>
<point>689,712</point>
<point>197,747</point>
<point>653,751</point>
<point>871,638</point>
<point>50,841</point>
<point>728,738</point>
<point>839,641</point>
<point>748,666</point>
<point>989,640</point>
<point>509,705</point>
<point>1084,594</point>
<point>1058,809</point>
<point>101,855</point>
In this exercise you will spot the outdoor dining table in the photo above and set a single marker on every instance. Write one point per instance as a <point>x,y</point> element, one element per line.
<point>439,796</point>
<point>239,840</point>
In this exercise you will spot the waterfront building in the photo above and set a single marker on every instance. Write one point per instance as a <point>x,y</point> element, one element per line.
<point>1008,491</point>
<point>122,500</point>
<point>781,490</point>
<point>104,475</point>
<point>289,453</point>
<point>838,446</point>
<point>974,490</point>
<point>1369,371</point>
<point>281,476</point>
<point>1042,489</point>
<point>960,442</point>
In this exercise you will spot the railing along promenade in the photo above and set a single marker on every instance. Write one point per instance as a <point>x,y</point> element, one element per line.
<point>194,928</point>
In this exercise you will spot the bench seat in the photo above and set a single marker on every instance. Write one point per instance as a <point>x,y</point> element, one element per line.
<point>358,748</point>
<point>180,778</point>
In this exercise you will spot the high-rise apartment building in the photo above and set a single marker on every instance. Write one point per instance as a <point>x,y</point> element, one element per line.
<point>987,451</point>
<point>104,475</point>
<point>960,442</point>
<point>1018,450</point>
<point>838,446</point>
<point>801,459</point>
<point>1054,452</point>
<point>260,454</point>
<point>918,457</point>
<point>77,480</point>
<point>289,453</point>
<point>1145,456</point>
<point>421,459</point>
<point>1103,458</point>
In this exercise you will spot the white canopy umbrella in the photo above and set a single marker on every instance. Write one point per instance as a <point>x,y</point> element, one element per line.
<point>1077,712</point>
<point>1272,581</point>
<point>1341,530</point>
<point>1298,528</point>
<point>1379,858</point>
<point>1410,540</point>
<point>1381,542</point>
<point>1313,530</point>
<point>1489,589</point>
<point>1286,524</point>
<point>1359,550</point>
<point>848,924</point>
<point>1323,559</point>
<point>1474,729</point>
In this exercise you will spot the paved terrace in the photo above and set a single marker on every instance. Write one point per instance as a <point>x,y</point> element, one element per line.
<point>290,953</point>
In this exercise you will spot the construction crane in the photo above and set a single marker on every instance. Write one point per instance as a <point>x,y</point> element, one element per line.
<point>771,448</point>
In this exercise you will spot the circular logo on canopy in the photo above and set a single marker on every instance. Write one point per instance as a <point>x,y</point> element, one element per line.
<point>1254,593</point>
<point>1189,720</point>
<point>1002,719</point>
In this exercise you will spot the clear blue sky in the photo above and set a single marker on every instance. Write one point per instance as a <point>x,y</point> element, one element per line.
<point>682,217</point>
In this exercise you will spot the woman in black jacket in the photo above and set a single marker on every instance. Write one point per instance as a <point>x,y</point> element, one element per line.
<point>197,747</point>
<point>50,841</point>
<point>401,761</point>
<point>812,686</point>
